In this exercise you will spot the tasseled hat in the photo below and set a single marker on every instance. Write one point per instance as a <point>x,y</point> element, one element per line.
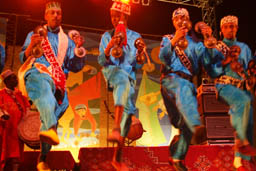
<point>229,19</point>
<point>52,5</point>
<point>121,6</point>
<point>180,12</point>
<point>6,74</point>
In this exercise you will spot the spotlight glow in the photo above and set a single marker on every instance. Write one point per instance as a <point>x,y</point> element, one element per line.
<point>125,1</point>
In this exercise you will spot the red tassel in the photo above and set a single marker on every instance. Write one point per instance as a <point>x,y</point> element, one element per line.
<point>121,28</point>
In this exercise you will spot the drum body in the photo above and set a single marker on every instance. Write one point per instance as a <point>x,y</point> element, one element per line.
<point>28,129</point>
<point>136,130</point>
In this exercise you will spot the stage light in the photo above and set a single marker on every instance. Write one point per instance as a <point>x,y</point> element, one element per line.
<point>136,1</point>
<point>145,2</point>
<point>125,1</point>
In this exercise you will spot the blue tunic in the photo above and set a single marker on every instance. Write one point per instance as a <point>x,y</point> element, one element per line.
<point>179,94</point>
<point>40,86</point>
<point>120,74</point>
<point>240,101</point>
<point>2,58</point>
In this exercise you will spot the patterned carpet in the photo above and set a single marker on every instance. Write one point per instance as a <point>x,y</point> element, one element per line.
<point>199,158</point>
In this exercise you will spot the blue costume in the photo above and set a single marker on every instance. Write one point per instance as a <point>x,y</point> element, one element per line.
<point>178,91</point>
<point>40,86</point>
<point>2,58</point>
<point>240,101</point>
<point>120,73</point>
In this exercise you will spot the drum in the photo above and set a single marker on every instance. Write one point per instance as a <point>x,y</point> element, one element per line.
<point>136,129</point>
<point>28,129</point>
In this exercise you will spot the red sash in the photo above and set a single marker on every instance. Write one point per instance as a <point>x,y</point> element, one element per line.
<point>58,75</point>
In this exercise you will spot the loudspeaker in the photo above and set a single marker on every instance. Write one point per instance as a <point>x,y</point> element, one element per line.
<point>208,104</point>
<point>219,129</point>
<point>206,89</point>
<point>214,115</point>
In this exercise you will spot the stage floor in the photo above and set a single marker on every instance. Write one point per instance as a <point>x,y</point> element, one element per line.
<point>199,158</point>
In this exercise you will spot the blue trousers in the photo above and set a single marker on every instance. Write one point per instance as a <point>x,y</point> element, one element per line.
<point>41,89</point>
<point>241,111</point>
<point>179,97</point>
<point>123,94</point>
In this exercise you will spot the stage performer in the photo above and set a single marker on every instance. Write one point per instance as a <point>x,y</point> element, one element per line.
<point>2,57</point>
<point>232,88</point>
<point>45,80</point>
<point>118,59</point>
<point>181,56</point>
<point>13,105</point>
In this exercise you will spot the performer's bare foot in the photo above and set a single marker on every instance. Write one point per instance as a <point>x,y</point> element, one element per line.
<point>177,165</point>
<point>50,136</point>
<point>244,147</point>
<point>43,166</point>
<point>247,150</point>
<point>241,168</point>
<point>119,166</point>
<point>115,136</point>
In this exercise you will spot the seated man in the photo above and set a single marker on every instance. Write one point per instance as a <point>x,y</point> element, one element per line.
<point>14,104</point>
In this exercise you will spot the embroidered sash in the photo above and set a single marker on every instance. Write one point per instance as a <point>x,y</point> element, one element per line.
<point>58,75</point>
<point>55,69</point>
<point>182,56</point>
<point>224,79</point>
<point>223,48</point>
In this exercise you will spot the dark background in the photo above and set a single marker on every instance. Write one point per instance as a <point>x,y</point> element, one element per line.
<point>154,20</point>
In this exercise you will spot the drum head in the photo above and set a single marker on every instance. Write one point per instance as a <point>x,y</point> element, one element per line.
<point>28,129</point>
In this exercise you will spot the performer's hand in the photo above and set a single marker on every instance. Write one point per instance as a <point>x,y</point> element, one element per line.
<point>207,30</point>
<point>179,34</point>
<point>111,43</point>
<point>234,52</point>
<point>236,66</point>
<point>251,68</point>
<point>79,40</point>
<point>140,45</point>
<point>36,39</point>
<point>227,60</point>
<point>118,38</point>
<point>110,46</point>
